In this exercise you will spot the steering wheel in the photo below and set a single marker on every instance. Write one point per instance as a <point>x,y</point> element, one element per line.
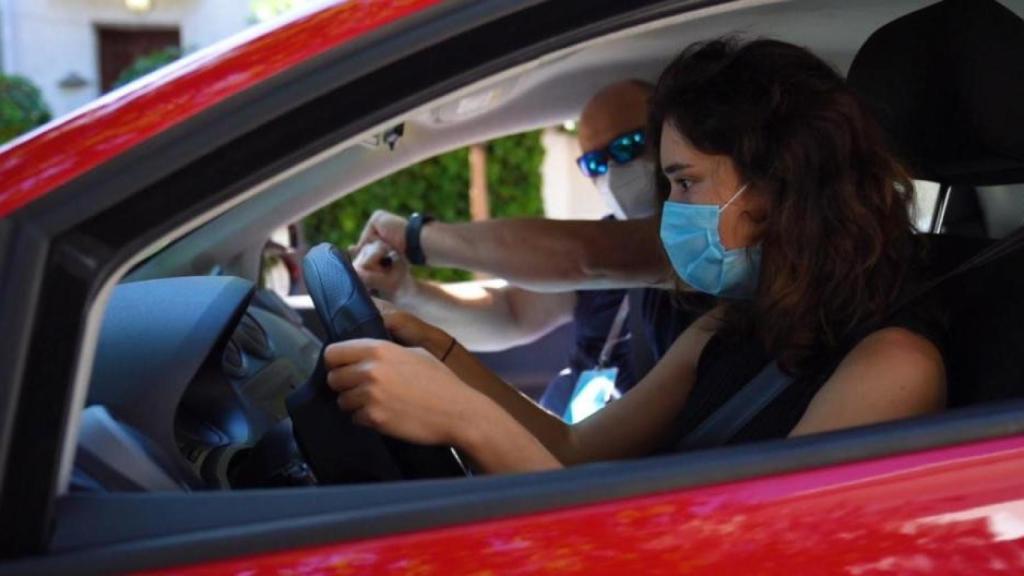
<point>338,450</point>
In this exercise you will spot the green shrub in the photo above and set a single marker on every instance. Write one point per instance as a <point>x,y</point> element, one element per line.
<point>21,107</point>
<point>513,176</point>
<point>145,64</point>
<point>440,187</point>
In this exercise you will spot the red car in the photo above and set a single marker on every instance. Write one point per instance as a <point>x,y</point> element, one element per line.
<point>139,360</point>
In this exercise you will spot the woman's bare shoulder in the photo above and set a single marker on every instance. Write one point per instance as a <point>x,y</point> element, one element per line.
<point>892,373</point>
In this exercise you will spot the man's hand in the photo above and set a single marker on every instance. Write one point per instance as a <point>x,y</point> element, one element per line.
<point>385,227</point>
<point>384,271</point>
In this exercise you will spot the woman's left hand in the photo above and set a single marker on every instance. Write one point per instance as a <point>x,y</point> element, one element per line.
<point>411,331</point>
<point>406,393</point>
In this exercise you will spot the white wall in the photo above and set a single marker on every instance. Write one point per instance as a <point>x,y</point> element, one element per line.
<point>566,192</point>
<point>210,21</point>
<point>45,40</point>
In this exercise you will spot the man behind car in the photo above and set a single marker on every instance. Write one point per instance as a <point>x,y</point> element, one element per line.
<point>601,366</point>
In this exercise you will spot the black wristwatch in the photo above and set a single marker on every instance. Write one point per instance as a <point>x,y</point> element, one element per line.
<point>413,248</point>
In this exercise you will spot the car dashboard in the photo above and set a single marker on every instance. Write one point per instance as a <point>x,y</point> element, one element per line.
<point>188,389</point>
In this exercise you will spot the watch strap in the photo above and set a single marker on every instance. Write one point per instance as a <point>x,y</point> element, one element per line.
<point>413,231</point>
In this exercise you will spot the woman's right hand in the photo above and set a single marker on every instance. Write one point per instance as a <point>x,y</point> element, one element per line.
<point>408,393</point>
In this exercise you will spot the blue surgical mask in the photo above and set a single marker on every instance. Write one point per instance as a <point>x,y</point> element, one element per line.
<point>689,233</point>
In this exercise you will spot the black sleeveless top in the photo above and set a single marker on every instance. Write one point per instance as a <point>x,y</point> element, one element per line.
<point>726,365</point>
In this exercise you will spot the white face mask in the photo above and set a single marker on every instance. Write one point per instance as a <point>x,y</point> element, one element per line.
<point>629,189</point>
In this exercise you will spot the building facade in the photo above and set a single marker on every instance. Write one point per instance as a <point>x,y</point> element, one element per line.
<point>73,50</point>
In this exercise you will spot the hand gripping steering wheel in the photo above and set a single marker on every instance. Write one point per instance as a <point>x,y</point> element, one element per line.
<point>338,450</point>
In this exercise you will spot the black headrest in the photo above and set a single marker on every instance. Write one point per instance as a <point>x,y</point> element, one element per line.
<point>947,83</point>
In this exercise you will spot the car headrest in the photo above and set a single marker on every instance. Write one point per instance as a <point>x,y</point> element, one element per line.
<point>947,84</point>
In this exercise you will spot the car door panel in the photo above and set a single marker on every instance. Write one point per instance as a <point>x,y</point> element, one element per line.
<point>911,514</point>
<point>806,497</point>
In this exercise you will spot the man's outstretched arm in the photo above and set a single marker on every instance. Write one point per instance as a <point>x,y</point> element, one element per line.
<point>540,254</point>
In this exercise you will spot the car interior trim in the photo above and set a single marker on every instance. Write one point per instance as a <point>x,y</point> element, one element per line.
<point>941,207</point>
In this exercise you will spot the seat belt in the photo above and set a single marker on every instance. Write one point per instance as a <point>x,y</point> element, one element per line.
<point>1003,247</point>
<point>738,411</point>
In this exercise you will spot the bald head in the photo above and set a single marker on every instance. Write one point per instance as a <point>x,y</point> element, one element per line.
<point>614,110</point>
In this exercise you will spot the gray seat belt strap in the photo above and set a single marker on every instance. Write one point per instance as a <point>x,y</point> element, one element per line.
<point>739,410</point>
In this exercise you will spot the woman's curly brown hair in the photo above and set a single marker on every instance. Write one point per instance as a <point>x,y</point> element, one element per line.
<point>837,238</point>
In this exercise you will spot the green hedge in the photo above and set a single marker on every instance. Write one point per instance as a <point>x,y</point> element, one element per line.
<point>440,187</point>
<point>21,107</point>
<point>145,64</point>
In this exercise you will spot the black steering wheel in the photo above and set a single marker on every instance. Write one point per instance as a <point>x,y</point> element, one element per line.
<point>338,450</point>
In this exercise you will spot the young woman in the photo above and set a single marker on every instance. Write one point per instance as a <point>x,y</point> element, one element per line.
<point>784,203</point>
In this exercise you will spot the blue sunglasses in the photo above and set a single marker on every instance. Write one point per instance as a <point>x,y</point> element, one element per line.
<point>622,149</point>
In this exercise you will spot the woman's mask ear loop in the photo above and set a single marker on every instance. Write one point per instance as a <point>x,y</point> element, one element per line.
<point>734,197</point>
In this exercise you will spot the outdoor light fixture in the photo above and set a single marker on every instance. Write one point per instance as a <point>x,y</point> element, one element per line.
<point>72,80</point>
<point>139,5</point>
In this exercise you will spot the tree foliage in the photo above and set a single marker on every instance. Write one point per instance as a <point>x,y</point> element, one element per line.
<point>513,176</point>
<point>21,107</point>
<point>148,63</point>
<point>440,187</point>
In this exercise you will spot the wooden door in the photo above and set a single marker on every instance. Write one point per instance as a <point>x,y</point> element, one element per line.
<point>120,47</point>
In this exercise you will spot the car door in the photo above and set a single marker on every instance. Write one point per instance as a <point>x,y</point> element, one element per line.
<point>939,494</point>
